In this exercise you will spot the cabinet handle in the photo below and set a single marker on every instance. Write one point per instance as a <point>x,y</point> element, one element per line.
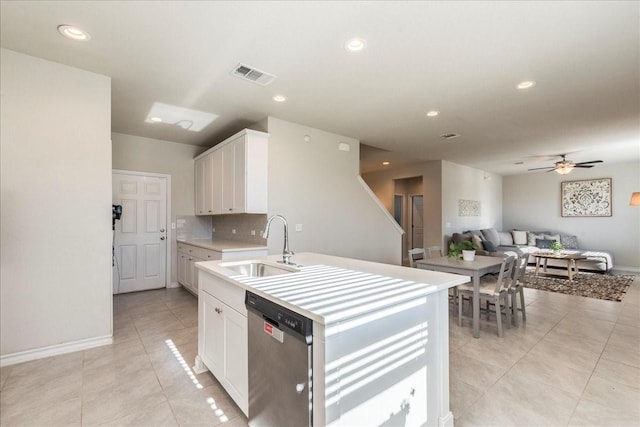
<point>161,237</point>
<point>190,259</point>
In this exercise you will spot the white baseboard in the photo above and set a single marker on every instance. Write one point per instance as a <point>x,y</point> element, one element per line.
<point>173,285</point>
<point>54,350</point>
<point>623,269</point>
<point>446,420</point>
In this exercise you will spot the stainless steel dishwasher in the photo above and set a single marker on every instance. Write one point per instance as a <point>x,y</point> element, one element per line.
<point>280,365</point>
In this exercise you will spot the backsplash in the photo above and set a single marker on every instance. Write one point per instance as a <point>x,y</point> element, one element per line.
<point>192,227</point>
<point>243,224</point>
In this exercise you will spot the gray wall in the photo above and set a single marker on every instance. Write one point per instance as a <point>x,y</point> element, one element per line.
<point>135,153</point>
<point>532,202</point>
<point>316,185</point>
<point>55,150</point>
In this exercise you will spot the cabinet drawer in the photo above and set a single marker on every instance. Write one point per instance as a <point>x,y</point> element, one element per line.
<point>226,292</point>
<point>206,254</point>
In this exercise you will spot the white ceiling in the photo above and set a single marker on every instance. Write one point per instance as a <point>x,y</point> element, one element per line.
<point>461,58</point>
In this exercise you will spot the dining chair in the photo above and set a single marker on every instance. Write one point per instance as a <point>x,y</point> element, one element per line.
<point>416,254</point>
<point>517,287</point>
<point>434,251</point>
<point>493,290</point>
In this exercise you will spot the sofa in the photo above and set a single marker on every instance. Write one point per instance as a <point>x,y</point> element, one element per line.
<point>521,243</point>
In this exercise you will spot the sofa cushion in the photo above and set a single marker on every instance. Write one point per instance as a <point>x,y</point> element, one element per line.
<point>477,242</point>
<point>519,237</point>
<point>491,235</point>
<point>505,238</point>
<point>531,238</point>
<point>489,246</point>
<point>544,243</point>
<point>569,242</point>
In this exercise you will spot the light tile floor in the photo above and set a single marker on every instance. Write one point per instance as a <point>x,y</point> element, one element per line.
<point>575,363</point>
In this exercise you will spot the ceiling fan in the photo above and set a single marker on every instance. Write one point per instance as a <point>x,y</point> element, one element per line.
<point>565,166</point>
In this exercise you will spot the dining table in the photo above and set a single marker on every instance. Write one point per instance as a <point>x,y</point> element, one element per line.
<point>475,269</point>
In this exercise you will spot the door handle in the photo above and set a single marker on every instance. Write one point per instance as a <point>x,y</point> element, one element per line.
<point>300,388</point>
<point>161,237</point>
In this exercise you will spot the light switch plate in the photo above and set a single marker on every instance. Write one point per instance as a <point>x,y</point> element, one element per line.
<point>298,227</point>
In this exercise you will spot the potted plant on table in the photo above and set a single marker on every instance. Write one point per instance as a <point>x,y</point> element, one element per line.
<point>464,248</point>
<point>556,247</point>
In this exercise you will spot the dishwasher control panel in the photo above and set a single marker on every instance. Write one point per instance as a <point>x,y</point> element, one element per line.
<point>282,317</point>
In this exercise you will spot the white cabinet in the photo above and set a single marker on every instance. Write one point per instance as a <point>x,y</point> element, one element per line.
<point>232,176</point>
<point>208,171</point>
<point>188,255</point>
<point>222,336</point>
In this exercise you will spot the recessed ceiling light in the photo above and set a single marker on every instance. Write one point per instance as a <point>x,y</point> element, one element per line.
<point>155,119</point>
<point>526,84</point>
<point>74,33</point>
<point>279,98</point>
<point>385,163</point>
<point>433,113</point>
<point>355,45</point>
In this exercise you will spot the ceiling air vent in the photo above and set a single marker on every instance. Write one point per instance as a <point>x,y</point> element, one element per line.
<point>450,135</point>
<point>252,74</point>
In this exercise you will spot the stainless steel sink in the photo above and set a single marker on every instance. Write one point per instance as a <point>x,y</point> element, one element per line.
<point>256,269</point>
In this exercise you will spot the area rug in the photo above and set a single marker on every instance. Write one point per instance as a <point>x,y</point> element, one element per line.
<point>611,287</point>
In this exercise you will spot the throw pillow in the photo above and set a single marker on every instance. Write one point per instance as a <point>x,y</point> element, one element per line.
<point>505,238</point>
<point>477,242</point>
<point>459,237</point>
<point>569,242</point>
<point>519,237</point>
<point>488,246</point>
<point>544,243</point>
<point>491,235</point>
<point>531,238</point>
<point>552,237</point>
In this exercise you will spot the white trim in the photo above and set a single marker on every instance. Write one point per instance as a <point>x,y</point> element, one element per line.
<point>174,285</point>
<point>446,421</point>
<point>384,210</point>
<point>54,350</point>
<point>167,226</point>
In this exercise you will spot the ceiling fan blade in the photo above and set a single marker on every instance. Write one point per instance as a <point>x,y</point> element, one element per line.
<point>538,169</point>
<point>586,163</point>
<point>583,166</point>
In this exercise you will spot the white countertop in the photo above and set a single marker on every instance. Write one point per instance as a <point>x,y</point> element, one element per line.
<point>330,289</point>
<point>222,245</point>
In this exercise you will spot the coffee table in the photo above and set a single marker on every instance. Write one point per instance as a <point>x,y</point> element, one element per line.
<point>572,265</point>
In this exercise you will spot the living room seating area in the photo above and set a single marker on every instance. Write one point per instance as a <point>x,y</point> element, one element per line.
<point>524,243</point>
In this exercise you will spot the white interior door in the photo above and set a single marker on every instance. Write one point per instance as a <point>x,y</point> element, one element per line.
<point>140,237</point>
<point>417,222</point>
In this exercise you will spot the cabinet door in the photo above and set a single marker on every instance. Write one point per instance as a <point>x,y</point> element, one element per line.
<point>200,186</point>
<point>216,181</point>
<point>212,324</point>
<point>183,264</point>
<point>239,175</point>
<point>236,367</point>
<point>193,273</point>
<point>228,176</point>
<point>208,184</point>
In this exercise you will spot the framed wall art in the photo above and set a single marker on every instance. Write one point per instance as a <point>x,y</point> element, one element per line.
<point>468,207</point>
<point>586,198</point>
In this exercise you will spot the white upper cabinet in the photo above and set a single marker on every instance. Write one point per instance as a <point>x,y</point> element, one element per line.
<point>232,176</point>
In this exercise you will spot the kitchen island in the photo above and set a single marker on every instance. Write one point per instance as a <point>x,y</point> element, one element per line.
<point>380,353</point>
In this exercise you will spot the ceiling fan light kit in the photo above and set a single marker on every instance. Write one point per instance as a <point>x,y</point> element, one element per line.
<point>565,166</point>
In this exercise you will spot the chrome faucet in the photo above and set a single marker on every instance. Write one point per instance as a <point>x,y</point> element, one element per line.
<point>286,253</point>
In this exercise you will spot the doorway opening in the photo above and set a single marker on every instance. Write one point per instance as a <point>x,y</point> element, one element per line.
<point>409,213</point>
